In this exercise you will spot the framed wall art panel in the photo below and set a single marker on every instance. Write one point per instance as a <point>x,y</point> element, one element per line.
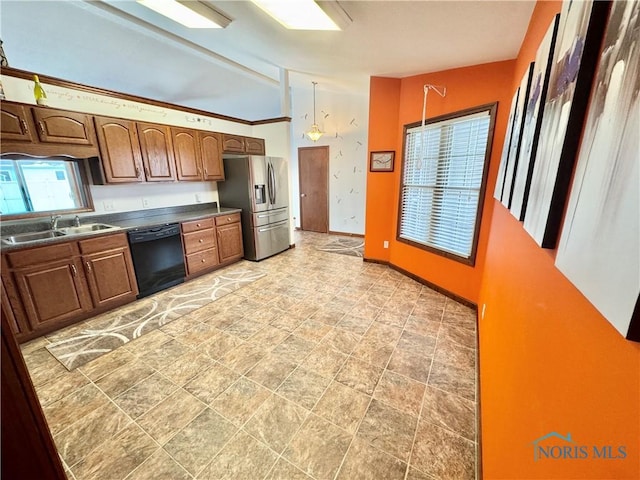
<point>516,137</point>
<point>502,171</point>
<point>533,121</point>
<point>599,249</point>
<point>574,61</point>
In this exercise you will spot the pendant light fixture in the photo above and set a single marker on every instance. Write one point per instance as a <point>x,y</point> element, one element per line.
<point>315,133</point>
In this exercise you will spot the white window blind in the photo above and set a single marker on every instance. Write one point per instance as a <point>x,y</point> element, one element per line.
<point>442,178</point>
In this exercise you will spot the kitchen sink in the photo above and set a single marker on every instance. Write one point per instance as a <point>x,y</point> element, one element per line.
<point>89,227</point>
<point>31,236</point>
<point>20,238</point>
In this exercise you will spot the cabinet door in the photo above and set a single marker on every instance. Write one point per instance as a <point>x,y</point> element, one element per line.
<point>119,150</point>
<point>233,143</point>
<point>110,276</point>
<point>59,126</point>
<point>254,146</point>
<point>7,311</point>
<point>230,242</point>
<point>157,152</point>
<point>211,154</point>
<point>187,154</point>
<point>53,292</point>
<point>15,123</point>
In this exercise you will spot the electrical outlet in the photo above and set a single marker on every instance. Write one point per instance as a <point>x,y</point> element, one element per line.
<point>484,307</point>
<point>385,244</point>
<point>198,198</point>
<point>145,202</point>
<point>108,206</point>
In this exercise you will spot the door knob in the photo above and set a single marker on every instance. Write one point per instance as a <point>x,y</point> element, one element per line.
<point>303,194</point>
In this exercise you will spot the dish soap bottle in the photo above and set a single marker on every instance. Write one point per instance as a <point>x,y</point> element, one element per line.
<point>38,92</point>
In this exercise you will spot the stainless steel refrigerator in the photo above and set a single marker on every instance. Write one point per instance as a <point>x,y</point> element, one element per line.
<point>260,187</point>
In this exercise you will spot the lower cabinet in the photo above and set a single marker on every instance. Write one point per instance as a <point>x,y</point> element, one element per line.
<point>211,242</point>
<point>58,284</point>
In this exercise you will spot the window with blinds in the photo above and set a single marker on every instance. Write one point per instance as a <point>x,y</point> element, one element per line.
<point>443,178</point>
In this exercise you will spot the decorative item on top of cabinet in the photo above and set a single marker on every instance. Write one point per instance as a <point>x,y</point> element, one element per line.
<point>200,247</point>
<point>157,152</point>
<point>229,231</point>
<point>198,154</point>
<point>53,286</point>
<point>119,151</point>
<point>240,144</point>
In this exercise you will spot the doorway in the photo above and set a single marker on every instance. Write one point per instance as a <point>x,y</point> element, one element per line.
<point>313,168</point>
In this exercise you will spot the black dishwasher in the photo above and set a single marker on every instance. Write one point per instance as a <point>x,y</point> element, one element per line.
<point>157,257</point>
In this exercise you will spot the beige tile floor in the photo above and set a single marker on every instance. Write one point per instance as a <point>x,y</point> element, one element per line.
<point>326,368</point>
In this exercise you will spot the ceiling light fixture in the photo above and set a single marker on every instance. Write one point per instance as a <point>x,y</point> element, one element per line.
<point>306,14</point>
<point>315,133</point>
<point>191,14</point>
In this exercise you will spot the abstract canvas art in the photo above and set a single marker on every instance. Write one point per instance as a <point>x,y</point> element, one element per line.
<point>533,121</point>
<point>516,136</point>
<point>599,250</point>
<point>502,172</point>
<point>579,38</point>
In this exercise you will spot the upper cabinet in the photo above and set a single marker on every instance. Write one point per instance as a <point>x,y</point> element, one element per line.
<point>198,154</point>
<point>16,124</point>
<point>240,144</point>
<point>119,150</point>
<point>59,126</point>
<point>157,152</point>
<point>45,131</point>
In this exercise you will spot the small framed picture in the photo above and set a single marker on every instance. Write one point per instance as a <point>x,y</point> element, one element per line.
<point>381,161</point>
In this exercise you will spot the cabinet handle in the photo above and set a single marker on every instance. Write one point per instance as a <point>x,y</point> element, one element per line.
<point>42,130</point>
<point>146,172</point>
<point>202,260</point>
<point>200,241</point>
<point>88,264</point>
<point>228,219</point>
<point>197,224</point>
<point>74,270</point>
<point>205,172</point>
<point>23,127</point>
<point>137,172</point>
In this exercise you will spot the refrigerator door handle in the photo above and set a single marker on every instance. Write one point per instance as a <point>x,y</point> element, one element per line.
<point>263,215</point>
<point>273,227</point>
<point>272,186</point>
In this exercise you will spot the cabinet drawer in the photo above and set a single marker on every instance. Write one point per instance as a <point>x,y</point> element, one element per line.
<point>197,225</point>
<point>34,256</point>
<point>226,219</point>
<point>100,244</point>
<point>204,260</point>
<point>198,241</point>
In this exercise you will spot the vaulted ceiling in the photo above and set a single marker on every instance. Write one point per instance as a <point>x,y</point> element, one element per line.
<point>122,46</point>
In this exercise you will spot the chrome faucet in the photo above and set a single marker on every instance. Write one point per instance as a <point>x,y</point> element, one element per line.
<point>54,221</point>
<point>76,221</point>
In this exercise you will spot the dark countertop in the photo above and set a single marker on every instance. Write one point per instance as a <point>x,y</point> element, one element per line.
<point>125,221</point>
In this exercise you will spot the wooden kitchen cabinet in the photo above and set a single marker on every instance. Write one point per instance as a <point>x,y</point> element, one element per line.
<point>51,284</point>
<point>60,126</point>
<point>229,233</point>
<point>60,284</point>
<point>7,311</point>
<point>198,155</point>
<point>109,270</point>
<point>16,123</point>
<point>157,152</point>
<point>119,150</point>
<point>200,247</point>
<point>240,144</point>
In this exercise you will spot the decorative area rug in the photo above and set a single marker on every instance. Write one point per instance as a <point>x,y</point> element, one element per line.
<point>102,334</point>
<point>345,246</point>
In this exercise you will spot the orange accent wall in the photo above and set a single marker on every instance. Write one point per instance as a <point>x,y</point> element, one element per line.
<point>466,87</point>
<point>548,360</point>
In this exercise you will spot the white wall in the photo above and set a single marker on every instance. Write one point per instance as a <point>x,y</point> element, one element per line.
<point>344,118</point>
